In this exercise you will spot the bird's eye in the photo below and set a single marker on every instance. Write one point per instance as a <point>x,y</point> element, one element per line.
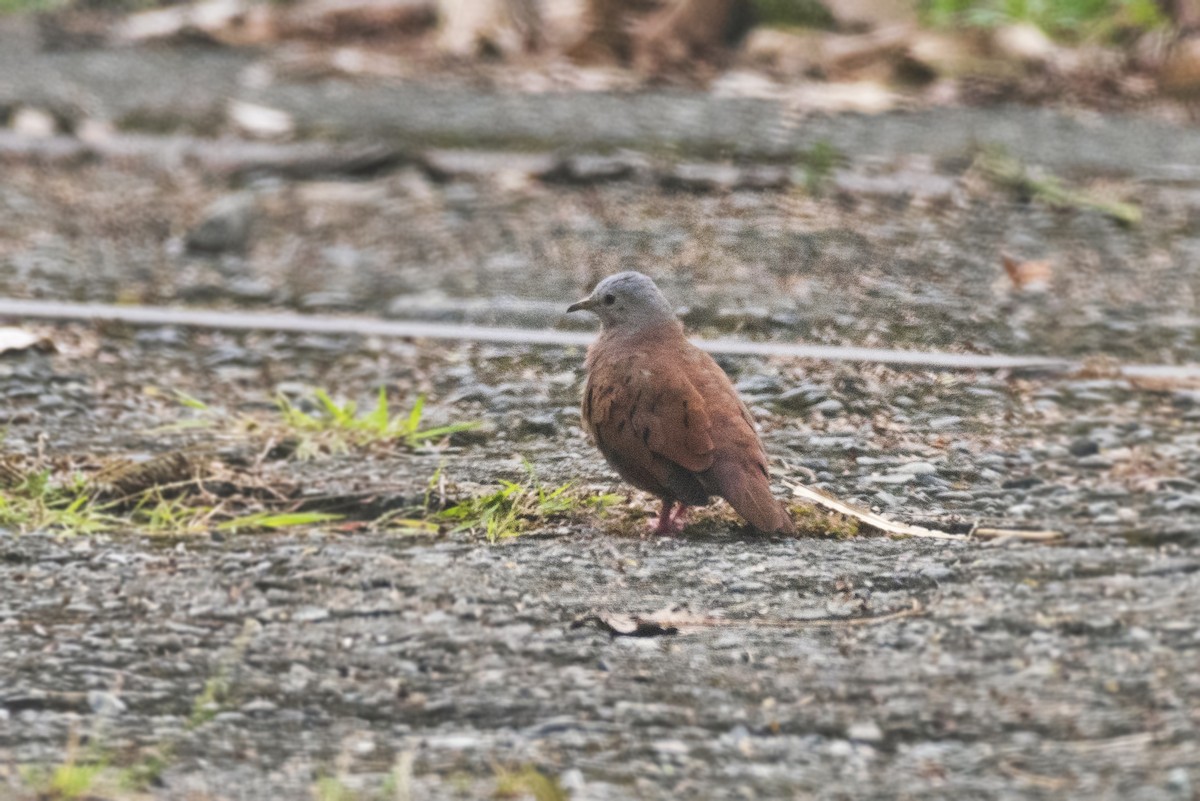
<point>609,300</point>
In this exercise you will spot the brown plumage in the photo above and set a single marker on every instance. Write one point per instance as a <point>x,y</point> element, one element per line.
<point>665,415</point>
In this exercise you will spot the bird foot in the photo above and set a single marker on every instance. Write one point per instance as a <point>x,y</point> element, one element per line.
<point>670,520</point>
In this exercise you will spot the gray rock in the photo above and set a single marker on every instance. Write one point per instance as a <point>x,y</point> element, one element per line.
<point>917,468</point>
<point>226,226</point>
<point>310,614</point>
<point>1083,446</point>
<point>830,407</point>
<point>331,300</point>
<point>250,289</point>
<point>758,384</point>
<point>1094,462</point>
<point>104,703</point>
<point>537,425</point>
<point>866,731</point>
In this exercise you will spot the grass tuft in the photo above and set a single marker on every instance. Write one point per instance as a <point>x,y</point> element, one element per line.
<point>515,506</point>
<point>335,427</point>
<point>1074,20</point>
<point>528,781</point>
<point>1008,172</point>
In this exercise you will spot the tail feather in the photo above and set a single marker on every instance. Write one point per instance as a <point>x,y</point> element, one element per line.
<point>748,491</point>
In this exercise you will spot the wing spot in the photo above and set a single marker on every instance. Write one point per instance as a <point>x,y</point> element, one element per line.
<point>646,436</point>
<point>587,402</point>
<point>686,422</point>
<point>620,426</point>
<point>654,403</point>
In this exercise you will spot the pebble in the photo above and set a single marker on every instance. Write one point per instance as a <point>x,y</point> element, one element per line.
<point>759,384</point>
<point>537,425</point>
<point>225,226</point>
<point>887,478</point>
<point>865,732</point>
<point>830,407</point>
<point>310,614</point>
<point>1179,782</point>
<point>105,703</point>
<point>1094,462</point>
<point>917,468</point>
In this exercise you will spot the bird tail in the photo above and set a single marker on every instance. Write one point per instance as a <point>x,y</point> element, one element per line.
<point>748,491</point>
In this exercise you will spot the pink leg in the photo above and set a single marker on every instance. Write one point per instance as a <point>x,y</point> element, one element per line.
<point>670,519</point>
<point>679,519</point>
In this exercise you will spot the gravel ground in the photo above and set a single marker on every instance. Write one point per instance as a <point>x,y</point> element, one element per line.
<point>810,667</point>
<point>1013,670</point>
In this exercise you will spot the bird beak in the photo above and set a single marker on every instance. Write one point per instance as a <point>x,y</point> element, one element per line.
<point>583,305</point>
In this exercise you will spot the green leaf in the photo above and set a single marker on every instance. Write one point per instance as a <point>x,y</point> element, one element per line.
<point>190,401</point>
<point>275,521</point>
<point>414,417</point>
<point>378,420</point>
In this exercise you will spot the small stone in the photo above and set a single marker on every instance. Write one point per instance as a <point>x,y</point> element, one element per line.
<point>258,705</point>
<point>262,122</point>
<point>865,732</point>
<point>830,407</point>
<point>105,703</point>
<point>890,478</point>
<point>331,300</point>
<point>1183,503</point>
<point>1094,462</point>
<point>254,290</point>
<point>226,225</point>
<point>537,425</point>
<point>700,177</point>
<point>885,498</point>
<point>310,614</point>
<point>942,423</point>
<point>917,468</point>
<point>34,122</point>
<point>572,781</point>
<point>758,384</point>
<point>1180,782</point>
<point>794,400</point>
<point>1083,447</point>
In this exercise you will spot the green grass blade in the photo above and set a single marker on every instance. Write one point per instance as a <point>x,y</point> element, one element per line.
<point>266,520</point>
<point>190,401</point>
<point>379,420</point>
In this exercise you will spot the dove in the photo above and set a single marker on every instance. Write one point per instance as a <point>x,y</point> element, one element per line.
<point>664,414</point>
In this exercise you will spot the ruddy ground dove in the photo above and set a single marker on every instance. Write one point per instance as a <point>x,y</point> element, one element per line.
<point>665,415</point>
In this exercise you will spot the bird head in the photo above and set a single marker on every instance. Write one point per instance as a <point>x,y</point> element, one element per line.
<point>628,300</point>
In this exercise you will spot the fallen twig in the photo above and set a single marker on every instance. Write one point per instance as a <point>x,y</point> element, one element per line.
<point>1046,535</point>
<point>893,528</point>
<point>669,621</point>
<point>877,522</point>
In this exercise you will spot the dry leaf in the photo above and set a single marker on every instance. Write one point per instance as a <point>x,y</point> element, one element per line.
<point>626,625</point>
<point>1028,276</point>
<point>18,339</point>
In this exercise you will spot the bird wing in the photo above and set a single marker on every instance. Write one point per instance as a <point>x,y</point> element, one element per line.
<point>641,405</point>
<point>739,473</point>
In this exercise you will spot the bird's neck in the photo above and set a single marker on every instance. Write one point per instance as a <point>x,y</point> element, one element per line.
<point>650,333</point>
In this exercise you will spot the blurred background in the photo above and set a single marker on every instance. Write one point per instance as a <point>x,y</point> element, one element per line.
<point>988,174</point>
